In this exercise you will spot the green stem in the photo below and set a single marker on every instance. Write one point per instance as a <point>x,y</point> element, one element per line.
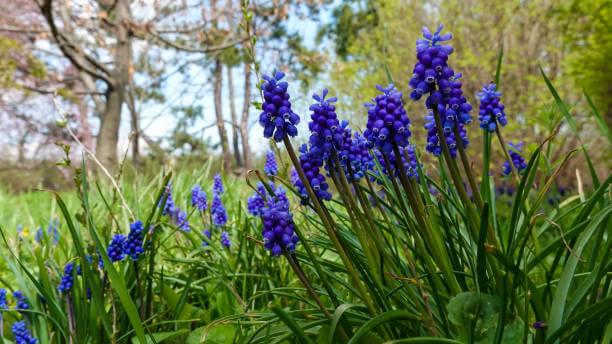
<point>328,226</point>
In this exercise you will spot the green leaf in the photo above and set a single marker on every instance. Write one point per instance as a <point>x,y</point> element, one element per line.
<point>160,337</point>
<point>602,124</point>
<point>371,324</point>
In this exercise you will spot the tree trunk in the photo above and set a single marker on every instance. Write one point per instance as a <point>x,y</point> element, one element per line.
<point>244,120</point>
<point>217,84</point>
<point>108,136</point>
<point>235,143</point>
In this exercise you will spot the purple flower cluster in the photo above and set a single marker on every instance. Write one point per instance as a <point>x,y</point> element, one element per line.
<point>21,333</point>
<point>271,167</point>
<point>256,201</point>
<point>67,279</point>
<point>491,110</point>
<point>278,229</point>
<point>517,158</point>
<point>311,164</point>
<point>433,141</point>
<point>432,70</point>
<point>3,303</point>
<point>354,153</point>
<point>22,302</point>
<point>173,211</point>
<point>410,164</point>
<point>325,129</point>
<point>218,211</point>
<point>277,117</point>
<point>387,120</point>
<point>132,246</point>
<point>225,240</point>
<point>115,248</point>
<point>52,230</point>
<point>218,187</point>
<point>198,198</point>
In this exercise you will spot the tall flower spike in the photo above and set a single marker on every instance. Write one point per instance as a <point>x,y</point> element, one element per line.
<point>433,142</point>
<point>198,198</point>
<point>432,76</point>
<point>491,110</point>
<point>65,285</point>
<point>218,211</point>
<point>311,164</point>
<point>387,120</point>
<point>21,333</point>
<point>517,158</point>
<point>3,304</point>
<point>277,118</point>
<point>354,153</point>
<point>256,202</point>
<point>169,206</point>
<point>181,221</point>
<point>271,167</point>
<point>115,250</point>
<point>218,185</point>
<point>22,302</point>
<point>132,246</point>
<point>225,240</point>
<point>325,129</point>
<point>278,229</point>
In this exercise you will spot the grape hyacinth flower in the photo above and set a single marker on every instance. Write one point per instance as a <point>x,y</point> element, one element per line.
<point>354,153</point>
<point>218,185</point>
<point>277,118</point>
<point>169,206</point>
<point>517,159</point>
<point>433,76</point>
<point>311,165</point>
<point>115,250</point>
<point>225,240</point>
<point>52,230</point>
<point>21,333</point>
<point>22,302</point>
<point>218,211</point>
<point>325,129</point>
<point>132,246</point>
<point>410,165</point>
<point>208,235</point>
<point>491,110</point>
<point>387,120</point>
<point>65,285</point>
<point>3,303</point>
<point>181,221</point>
<point>433,142</point>
<point>278,227</point>
<point>271,167</point>
<point>198,198</point>
<point>257,201</point>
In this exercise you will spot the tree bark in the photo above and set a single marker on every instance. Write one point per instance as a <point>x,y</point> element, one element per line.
<point>244,119</point>
<point>108,136</point>
<point>232,100</point>
<point>217,84</point>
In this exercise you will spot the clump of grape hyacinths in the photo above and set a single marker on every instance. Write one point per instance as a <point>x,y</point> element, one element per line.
<point>22,302</point>
<point>132,246</point>
<point>325,129</point>
<point>311,164</point>
<point>270,167</point>
<point>198,198</point>
<point>517,159</point>
<point>278,231</point>
<point>21,333</point>
<point>115,250</point>
<point>491,110</point>
<point>65,285</point>
<point>387,123</point>
<point>277,118</point>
